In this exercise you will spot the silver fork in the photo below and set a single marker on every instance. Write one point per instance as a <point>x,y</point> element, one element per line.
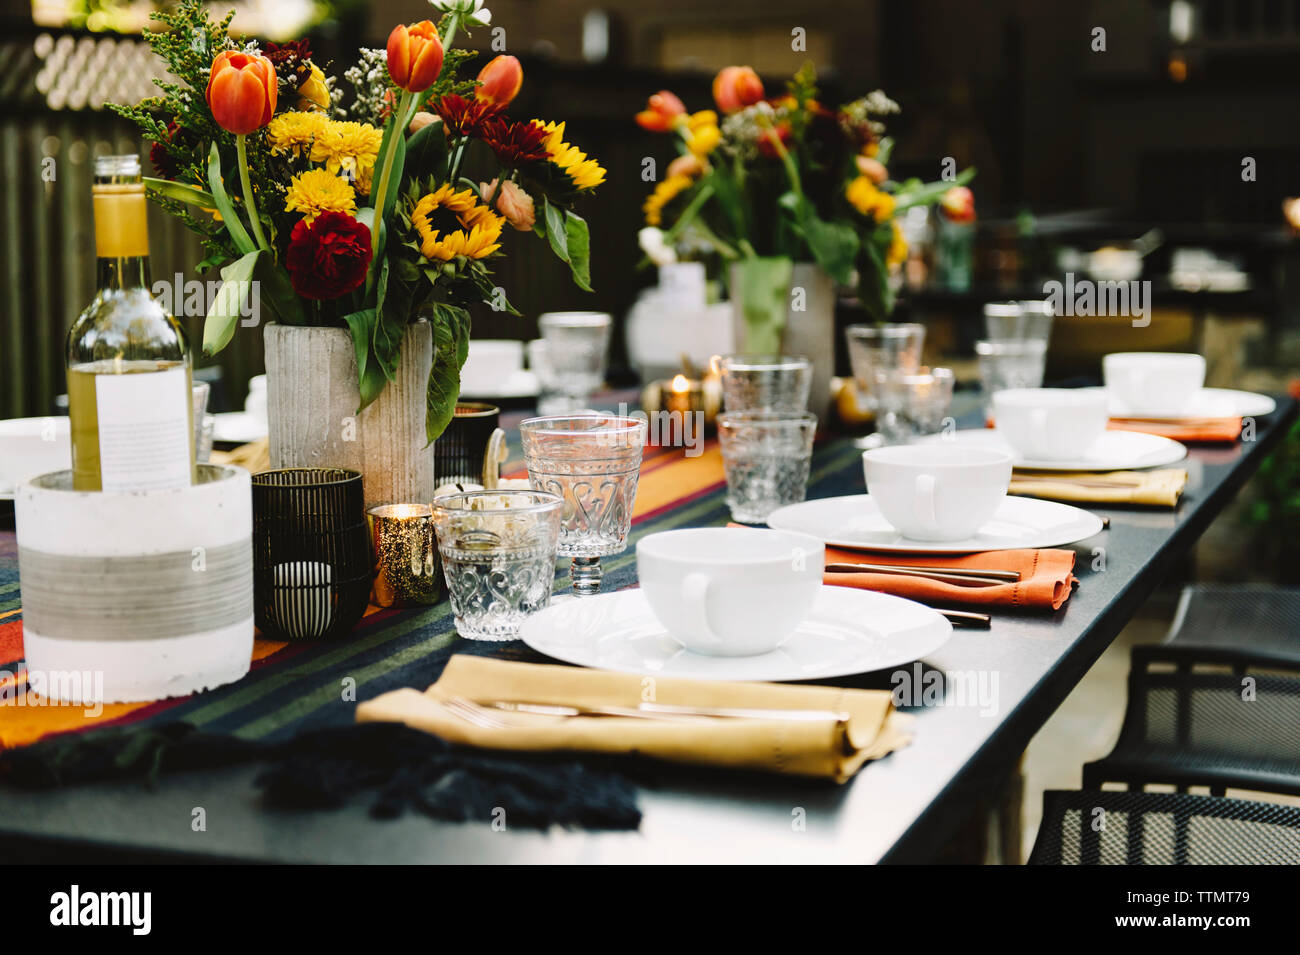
<point>471,712</point>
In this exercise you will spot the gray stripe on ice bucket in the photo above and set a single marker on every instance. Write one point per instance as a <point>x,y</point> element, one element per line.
<point>136,598</point>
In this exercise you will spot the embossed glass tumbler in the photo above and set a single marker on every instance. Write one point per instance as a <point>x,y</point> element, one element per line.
<point>498,554</point>
<point>766,455</point>
<point>592,461</point>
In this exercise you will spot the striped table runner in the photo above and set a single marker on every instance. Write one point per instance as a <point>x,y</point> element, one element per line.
<point>294,686</point>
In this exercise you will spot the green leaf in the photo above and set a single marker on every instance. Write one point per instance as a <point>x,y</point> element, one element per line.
<point>578,243</point>
<point>192,195</point>
<point>555,230</point>
<point>276,291</point>
<point>833,244</point>
<point>426,154</point>
<point>398,145</point>
<point>371,380</point>
<point>227,307</point>
<point>764,290</point>
<point>451,347</point>
<point>229,219</point>
<point>916,193</point>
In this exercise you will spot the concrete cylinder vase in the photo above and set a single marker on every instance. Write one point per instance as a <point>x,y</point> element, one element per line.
<point>131,596</point>
<point>312,400</point>
<point>809,328</point>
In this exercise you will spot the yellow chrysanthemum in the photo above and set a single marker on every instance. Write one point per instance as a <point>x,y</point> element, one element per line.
<point>480,231</point>
<point>347,147</point>
<point>664,193</point>
<point>294,131</point>
<point>868,200</point>
<point>897,248</point>
<point>585,173</point>
<point>702,119</point>
<point>319,190</point>
<point>704,140</point>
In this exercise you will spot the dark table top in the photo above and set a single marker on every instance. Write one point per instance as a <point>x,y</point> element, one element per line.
<point>899,809</point>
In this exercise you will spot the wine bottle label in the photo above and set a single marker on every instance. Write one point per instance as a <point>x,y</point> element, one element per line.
<point>121,221</point>
<point>144,430</point>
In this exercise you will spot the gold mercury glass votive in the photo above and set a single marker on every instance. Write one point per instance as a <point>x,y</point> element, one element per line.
<point>406,555</point>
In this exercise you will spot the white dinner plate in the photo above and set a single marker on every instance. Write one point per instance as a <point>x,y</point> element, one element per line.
<point>1208,403</point>
<point>855,521</point>
<point>1114,450</point>
<point>32,446</point>
<point>519,384</point>
<point>238,427</point>
<point>849,631</point>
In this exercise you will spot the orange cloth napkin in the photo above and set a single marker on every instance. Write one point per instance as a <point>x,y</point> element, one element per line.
<point>1197,430</point>
<point>1046,577</point>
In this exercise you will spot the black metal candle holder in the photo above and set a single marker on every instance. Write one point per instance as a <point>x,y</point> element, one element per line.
<point>458,454</point>
<point>312,561</point>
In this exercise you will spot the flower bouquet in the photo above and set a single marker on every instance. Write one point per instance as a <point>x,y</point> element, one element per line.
<point>783,180</point>
<point>367,211</point>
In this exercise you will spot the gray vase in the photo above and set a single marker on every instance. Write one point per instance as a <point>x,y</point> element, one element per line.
<point>312,399</point>
<point>809,332</point>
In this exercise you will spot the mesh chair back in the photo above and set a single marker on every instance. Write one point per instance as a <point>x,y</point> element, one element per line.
<point>1259,621</point>
<point>1091,827</point>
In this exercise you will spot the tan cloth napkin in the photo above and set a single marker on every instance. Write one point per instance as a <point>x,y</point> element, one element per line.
<point>1159,488</point>
<point>809,748</point>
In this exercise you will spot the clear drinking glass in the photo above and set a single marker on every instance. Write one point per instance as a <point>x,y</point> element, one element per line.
<point>592,461</point>
<point>765,382</point>
<point>576,348</point>
<point>498,555</point>
<point>1018,321</point>
<point>914,405</point>
<point>878,350</point>
<point>766,455</point>
<point>1009,364</point>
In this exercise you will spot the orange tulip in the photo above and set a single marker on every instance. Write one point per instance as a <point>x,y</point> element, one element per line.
<point>499,81</point>
<point>958,204</point>
<point>241,91</point>
<point>414,56</point>
<point>663,111</point>
<point>736,87</point>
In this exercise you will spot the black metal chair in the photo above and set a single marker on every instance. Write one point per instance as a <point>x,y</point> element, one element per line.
<point>1205,717</point>
<point>1261,622</point>
<point>1092,827</point>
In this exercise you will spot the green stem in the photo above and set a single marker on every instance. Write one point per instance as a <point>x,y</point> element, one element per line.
<point>249,201</point>
<point>381,189</point>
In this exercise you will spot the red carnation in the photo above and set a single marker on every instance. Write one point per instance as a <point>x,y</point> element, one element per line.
<point>328,258</point>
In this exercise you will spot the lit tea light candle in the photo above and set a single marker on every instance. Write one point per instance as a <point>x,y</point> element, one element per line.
<point>406,555</point>
<point>685,397</point>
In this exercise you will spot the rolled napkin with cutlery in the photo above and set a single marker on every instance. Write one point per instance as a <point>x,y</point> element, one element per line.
<point>701,722</point>
<point>1159,488</point>
<point>1031,579</point>
<point>1186,430</point>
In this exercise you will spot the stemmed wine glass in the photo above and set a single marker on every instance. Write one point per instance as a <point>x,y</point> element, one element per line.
<point>592,461</point>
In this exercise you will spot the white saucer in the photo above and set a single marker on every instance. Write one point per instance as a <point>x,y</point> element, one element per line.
<point>1208,403</point>
<point>1114,450</point>
<point>849,631</point>
<point>238,427</point>
<point>32,446</point>
<point>519,384</point>
<point>855,521</point>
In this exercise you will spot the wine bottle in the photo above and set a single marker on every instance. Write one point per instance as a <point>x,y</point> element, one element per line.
<point>129,373</point>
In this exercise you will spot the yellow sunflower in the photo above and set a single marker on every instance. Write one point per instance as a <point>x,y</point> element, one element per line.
<point>868,200</point>
<point>319,190</point>
<point>480,230</point>
<point>664,193</point>
<point>294,132</point>
<point>585,173</point>
<point>347,147</point>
